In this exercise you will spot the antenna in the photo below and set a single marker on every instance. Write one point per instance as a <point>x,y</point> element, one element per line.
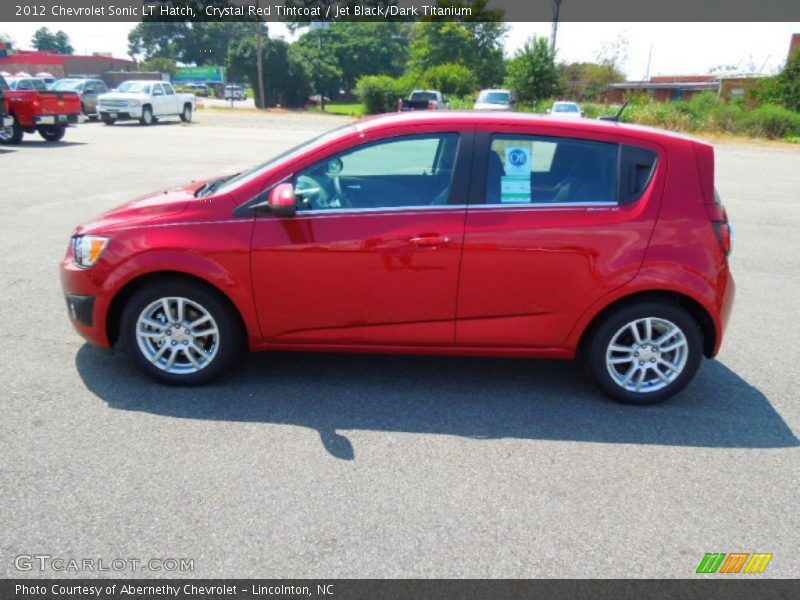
<point>614,118</point>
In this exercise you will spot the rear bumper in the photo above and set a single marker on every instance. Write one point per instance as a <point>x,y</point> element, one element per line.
<point>725,309</point>
<point>56,119</point>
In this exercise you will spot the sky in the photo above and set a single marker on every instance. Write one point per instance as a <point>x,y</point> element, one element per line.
<point>673,48</point>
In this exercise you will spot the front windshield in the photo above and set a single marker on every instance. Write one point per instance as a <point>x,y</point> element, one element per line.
<point>312,144</point>
<point>494,97</point>
<point>68,85</point>
<point>136,87</point>
<point>566,108</point>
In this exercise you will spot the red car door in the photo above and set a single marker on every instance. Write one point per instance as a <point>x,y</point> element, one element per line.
<point>372,255</point>
<point>555,222</point>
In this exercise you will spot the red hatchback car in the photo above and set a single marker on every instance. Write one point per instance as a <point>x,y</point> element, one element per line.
<point>435,233</point>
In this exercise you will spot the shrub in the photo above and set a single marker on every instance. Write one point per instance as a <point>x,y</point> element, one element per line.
<point>451,79</point>
<point>380,93</point>
<point>771,121</point>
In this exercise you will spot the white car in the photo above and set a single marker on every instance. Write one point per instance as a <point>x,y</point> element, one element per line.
<point>146,101</point>
<point>494,100</point>
<point>235,92</point>
<point>569,110</point>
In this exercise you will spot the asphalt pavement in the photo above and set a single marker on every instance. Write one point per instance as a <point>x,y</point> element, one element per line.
<point>321,465</point>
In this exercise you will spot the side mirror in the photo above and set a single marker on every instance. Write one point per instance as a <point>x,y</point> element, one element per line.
<point>281,200</point>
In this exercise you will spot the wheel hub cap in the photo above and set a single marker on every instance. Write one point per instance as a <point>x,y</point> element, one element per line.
<point>177,335</point>
<point>647,355</point>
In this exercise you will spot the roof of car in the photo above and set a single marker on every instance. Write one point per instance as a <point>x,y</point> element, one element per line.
<point>515,118</point>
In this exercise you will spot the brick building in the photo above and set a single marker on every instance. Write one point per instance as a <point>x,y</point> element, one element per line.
<point>63,65</point>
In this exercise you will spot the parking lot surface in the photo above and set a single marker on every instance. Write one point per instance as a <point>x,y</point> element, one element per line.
<point>319,465</point>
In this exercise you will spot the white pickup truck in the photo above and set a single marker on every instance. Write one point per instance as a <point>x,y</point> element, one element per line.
<point>146,101</point>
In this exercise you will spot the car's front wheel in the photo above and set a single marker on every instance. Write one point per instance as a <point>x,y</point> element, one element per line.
<point>147,116</point>
<point>180,333</point>
<point>645,353</point>
<point>186,115</point>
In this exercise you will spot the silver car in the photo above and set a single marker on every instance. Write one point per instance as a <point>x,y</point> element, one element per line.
<point>87,89</point>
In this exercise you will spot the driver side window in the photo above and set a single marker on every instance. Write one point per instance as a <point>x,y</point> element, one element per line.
<point>398,172</point>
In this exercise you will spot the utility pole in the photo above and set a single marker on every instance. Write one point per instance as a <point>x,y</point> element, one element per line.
<point>649,57</point>
<point>556,9</point>
<point>260,58</point>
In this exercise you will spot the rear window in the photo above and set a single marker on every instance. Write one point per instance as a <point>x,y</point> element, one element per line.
<point>494,97</point>
<point>420,96</point>
<point>549,170</point>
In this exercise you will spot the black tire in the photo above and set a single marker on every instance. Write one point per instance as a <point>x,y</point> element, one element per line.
<point>109,121</point>
<point>13,134</point>
<point>53,133</point>
<point>607,329</point>
<point>147,116</point>
<point>229,338</point>
<point>186,115</point>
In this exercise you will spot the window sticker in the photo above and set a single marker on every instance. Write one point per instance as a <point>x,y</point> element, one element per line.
<point>515,185</point>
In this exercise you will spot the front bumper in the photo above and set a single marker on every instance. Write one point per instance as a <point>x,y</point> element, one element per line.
<point>56,119</point>
<point>120,114</point>
<point>6,121</point>
<point>87,304</point>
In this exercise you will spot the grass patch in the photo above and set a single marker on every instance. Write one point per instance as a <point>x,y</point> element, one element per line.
<point>355,109</point>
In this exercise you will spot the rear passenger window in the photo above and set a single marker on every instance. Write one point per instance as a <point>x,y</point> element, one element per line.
<point>549,170</point>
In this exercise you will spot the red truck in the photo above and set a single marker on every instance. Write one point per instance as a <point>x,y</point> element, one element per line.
<point>5,118</point>
<point>33,108</point>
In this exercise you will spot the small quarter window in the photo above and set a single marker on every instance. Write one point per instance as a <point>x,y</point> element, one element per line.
<point>637,166</point>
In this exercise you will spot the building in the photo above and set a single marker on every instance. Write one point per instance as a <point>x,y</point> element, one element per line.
<point>63,65</point>
<point>669,88</point>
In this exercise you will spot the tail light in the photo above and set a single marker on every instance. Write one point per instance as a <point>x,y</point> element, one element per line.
<point>431,105</point>
<point>719,221</point>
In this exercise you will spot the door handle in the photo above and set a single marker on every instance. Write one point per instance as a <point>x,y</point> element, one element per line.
<point>428,241</point>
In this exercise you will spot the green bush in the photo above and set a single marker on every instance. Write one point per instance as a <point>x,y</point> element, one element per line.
<point>380,93</point>
<point>771,121</point>
<point>450,79</point>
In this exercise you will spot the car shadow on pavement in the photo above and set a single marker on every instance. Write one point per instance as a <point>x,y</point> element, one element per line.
<point>481,398</point>
<point>35,144</point>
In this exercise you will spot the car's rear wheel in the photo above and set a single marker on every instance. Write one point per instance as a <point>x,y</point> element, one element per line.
<point>109,121</point>
<point>52,133</point>
<point>12,134</point>
<point>147,116</point>
<point>645,353</point>
<point>186,115</point>
<point>180,333</point>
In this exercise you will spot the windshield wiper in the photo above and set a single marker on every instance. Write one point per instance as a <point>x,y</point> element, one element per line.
<point>208,188</point>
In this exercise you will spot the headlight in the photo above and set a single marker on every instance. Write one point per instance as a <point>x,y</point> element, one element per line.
<point>86,249</point>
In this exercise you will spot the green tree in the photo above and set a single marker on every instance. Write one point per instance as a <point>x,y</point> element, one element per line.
<point>201,42</point>
<point>286,78</point>
<point>323,69</point>
<point>160,64</point>
<point>532,72</point>
<point>360,48</point>
<point>475,42</point>
<point>7,40</point>
<point>588,81</point>
<point>451,79</point>
<point>789,82</point>
<point>44,39</point>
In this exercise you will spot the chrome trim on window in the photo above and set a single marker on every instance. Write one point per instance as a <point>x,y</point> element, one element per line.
<point>356,211</point>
